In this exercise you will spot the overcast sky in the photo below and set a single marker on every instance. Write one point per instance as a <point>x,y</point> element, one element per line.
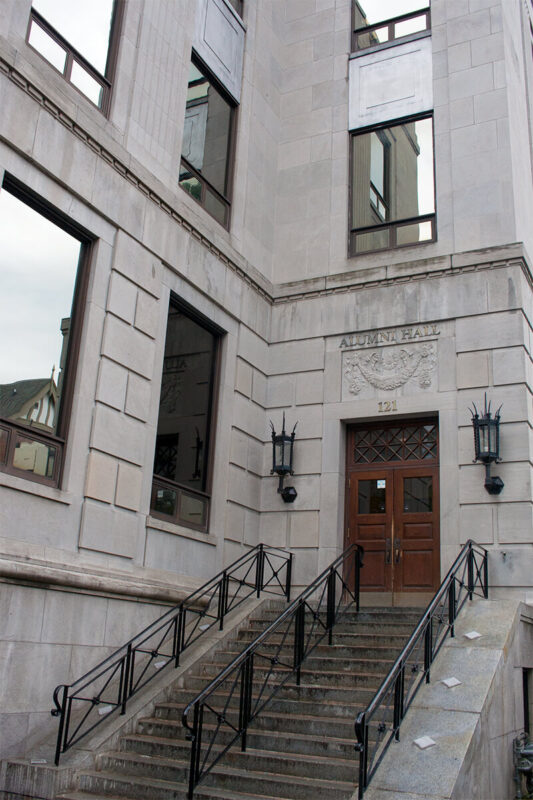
<point>38,263</point>
<point>87,29</point>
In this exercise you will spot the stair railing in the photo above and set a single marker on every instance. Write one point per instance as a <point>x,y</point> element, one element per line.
<point>244,687</point>
<point>106,688</point>
<point>379,723</point>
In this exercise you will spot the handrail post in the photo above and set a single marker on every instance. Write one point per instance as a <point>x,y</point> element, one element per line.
<point>330,611</point>
<point>486,575</point>
<point>470,571</point>
<point>259,570</point>
<point>288,578</point>
<point>361,731</point>
<point>196,740</point>
<point>247,676</point>
<point>61,713</point>
<point>428,648</point>
<point>222,592</point>
<point>357,577</point>
<point>299,622</point>
<point>451,607</point>
<point>398,702</point>
<point>178,635</point>
<point>127,679</point>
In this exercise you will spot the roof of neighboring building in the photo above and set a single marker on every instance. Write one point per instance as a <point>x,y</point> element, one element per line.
<point>13,396</point>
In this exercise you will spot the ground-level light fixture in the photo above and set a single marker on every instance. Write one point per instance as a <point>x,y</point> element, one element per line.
<point>487,444</point>
<point>282,455</point>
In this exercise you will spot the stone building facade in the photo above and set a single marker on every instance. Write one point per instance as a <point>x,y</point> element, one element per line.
<point>348,245</point>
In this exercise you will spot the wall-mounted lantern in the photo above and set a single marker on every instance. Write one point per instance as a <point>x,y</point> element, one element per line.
<point>487,444</point>
<point>282,455</point>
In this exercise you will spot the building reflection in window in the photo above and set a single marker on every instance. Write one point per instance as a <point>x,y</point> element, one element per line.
<point>38,268</point>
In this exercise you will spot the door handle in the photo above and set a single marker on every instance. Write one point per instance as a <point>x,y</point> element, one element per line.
<point>397,550</point>
<point>388,552</point>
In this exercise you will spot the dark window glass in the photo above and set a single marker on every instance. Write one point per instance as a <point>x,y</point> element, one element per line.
<point>418,494</point>
<point>183,428</point>
<point>38,274</point>
<point>372,496</point>
<point>204,171</point>
<point>380,21</point>
<point>76,40</point>
<point>393,194</point>
<point>237,5</point>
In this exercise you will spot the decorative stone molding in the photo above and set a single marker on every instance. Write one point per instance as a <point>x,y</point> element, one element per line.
<point>388,368</point>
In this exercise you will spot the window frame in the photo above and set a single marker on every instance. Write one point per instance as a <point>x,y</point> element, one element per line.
<point>392,225</point>
<point>390,24</point>
<point>16,430</point>
<point>205,184</point>
<point>105,80</point>
<point>209,445</point>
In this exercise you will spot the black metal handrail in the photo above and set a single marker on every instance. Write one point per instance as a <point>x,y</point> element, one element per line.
<point>109,685</point>
<point>379,723</point>
<point>262,669</point>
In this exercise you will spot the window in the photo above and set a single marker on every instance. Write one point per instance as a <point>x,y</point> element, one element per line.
<point>80,45</point>
<point>392,187</point>
<point>237,5</point>
<point>182,450</point>
<point>207,140</point>
<point>41,296</point>
<point>378,22</point>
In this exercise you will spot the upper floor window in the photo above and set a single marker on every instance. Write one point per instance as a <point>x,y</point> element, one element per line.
<point>80,41</point>
<point>207,144</point>
<point>183,448</point>
<point>392,186</point>
<point>41,299</point>
<point>377,22</point>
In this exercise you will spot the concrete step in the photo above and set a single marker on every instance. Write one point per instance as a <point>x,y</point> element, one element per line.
<point>308,688</point>
<point>407,615</point>
<point>330,741</point>
<point>331,653</point>
<point>229,780</point>
<point>320,671</point>
<point>176,767</point>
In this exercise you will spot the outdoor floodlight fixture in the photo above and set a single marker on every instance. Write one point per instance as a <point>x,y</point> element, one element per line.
<point>487,444</point>
<point>282,454</point>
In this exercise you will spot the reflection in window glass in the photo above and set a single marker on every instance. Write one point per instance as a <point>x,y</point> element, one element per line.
<point>205,154</point>
<point>206,135</point>
<point>371,498</point>
<point>370,12</point>
<point>185,403</point>
<point>35,457</point>
<point>85,83</point>
<point>392,179</point>
<point>38,266</point>
<point>418,494</point>
<point>85,24</point>
<point>47,47</point>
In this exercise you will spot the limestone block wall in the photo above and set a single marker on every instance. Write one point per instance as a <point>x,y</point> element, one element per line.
<point>51,637</point>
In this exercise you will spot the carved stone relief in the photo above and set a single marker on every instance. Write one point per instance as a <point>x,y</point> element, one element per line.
<point>389,368</point>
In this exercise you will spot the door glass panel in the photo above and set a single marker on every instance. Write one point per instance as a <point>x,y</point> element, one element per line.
<point>372,496</point>
<point>418,494</point>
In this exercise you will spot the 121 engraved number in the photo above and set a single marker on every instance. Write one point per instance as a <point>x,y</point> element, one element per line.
<point>386,406</point>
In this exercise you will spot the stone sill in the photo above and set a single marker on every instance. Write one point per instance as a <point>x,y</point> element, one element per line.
<point>159,525</point>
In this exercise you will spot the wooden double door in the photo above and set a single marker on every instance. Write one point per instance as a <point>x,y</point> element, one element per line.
<point>393,506</point>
